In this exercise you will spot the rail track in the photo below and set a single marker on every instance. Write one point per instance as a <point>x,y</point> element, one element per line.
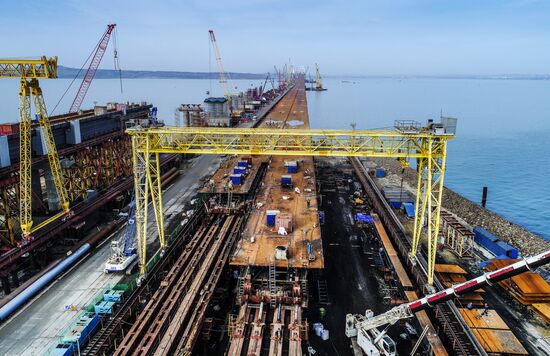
<point>114,328</point>
<point>172,317</point>
<point>453,327</point>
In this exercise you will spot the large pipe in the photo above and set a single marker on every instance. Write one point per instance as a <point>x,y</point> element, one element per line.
<point>34,288</point>
<point>40,283</point>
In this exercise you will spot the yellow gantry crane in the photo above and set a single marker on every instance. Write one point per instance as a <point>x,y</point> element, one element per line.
<point>408,141</point>
<point>29,71</point>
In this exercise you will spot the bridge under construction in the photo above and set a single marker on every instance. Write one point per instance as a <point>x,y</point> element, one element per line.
<point>269,238</point>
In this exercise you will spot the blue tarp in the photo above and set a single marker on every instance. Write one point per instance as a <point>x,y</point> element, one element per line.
<point>409,209</point>
<point>364,218</point>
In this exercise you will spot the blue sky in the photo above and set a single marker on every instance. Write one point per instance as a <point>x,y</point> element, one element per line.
<point>396,37</point>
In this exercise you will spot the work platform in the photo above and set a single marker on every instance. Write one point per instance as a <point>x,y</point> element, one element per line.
<point>220,181</point>
<point>296,200</point>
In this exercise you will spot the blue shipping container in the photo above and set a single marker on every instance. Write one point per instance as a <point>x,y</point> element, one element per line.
<point>482,233</point>
<point>237,179</point>
<point>396,204</point>
<point>242,164</point>
<point>65,349</point>
<point>112,295</point>
<point>321,217</point>
<point>409,209</point>
<point>286,180</point>
<point>380,173</point>
<point>509,251</point>
<point>239,170</point>
<point>271,216</point>
<point>292,169</point>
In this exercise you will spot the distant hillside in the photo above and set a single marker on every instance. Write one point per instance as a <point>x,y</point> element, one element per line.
<point>67,72</point>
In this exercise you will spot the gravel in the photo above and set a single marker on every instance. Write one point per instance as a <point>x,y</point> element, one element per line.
<point>473,214</point>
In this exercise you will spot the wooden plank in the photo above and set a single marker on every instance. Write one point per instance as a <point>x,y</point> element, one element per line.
<point>475,319</point>
<point>543,310</point>
<point>392,254</point>
<point>499,341</point>
<point>449,268</point>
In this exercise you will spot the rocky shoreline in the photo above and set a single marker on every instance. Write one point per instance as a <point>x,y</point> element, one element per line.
<point>473,214</point>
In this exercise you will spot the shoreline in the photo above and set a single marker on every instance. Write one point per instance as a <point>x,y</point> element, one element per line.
<point>528,243</point>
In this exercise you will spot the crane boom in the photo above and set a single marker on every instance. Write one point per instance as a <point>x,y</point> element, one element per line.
<point>223,78</point>
<point>29,71</point>
<point>407,310</point>
<point>92,69</point>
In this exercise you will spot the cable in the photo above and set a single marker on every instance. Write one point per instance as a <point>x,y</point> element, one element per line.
<point>116,58</point>
<point>75,77</point>
<point>209,64</point>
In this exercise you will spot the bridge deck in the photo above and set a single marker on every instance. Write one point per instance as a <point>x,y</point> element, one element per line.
<point>259,241</point>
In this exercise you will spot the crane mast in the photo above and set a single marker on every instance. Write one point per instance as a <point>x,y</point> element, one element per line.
<point>29,71</point>
<point>223,79</point>
<point>318,82</point>
<point>92,69</point>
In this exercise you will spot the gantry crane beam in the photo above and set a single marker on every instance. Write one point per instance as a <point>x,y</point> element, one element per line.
<point>29,68</point>
<point>427,145</point>
<point>29,71</point>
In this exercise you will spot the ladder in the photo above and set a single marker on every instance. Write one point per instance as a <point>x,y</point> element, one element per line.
<point>272,280</point>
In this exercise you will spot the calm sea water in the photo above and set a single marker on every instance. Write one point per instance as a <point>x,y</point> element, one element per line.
<point>503,138</point>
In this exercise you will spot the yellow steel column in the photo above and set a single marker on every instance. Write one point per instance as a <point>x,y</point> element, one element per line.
<point>25,154</point>
<point>141,193</point>
<point>153,179</point>
<point>420,204</point>
<point>439,148</point>
<point>160,219</point>
<point>432,243</point>
<point>53,158</point>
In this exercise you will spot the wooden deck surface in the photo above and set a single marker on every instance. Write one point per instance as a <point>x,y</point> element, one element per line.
<point>394,258</point>
<point>435,342</point>
<point>543,310</point>
<point>259,241</point>
<point>492,332</point>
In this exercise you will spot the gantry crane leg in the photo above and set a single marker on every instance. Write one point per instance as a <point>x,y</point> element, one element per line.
<point>153,175</point>
<point>25,154</point>
<point>147,182</point>
<point>141,187</point>
<point>431,173</point>
<point>53,157</point>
